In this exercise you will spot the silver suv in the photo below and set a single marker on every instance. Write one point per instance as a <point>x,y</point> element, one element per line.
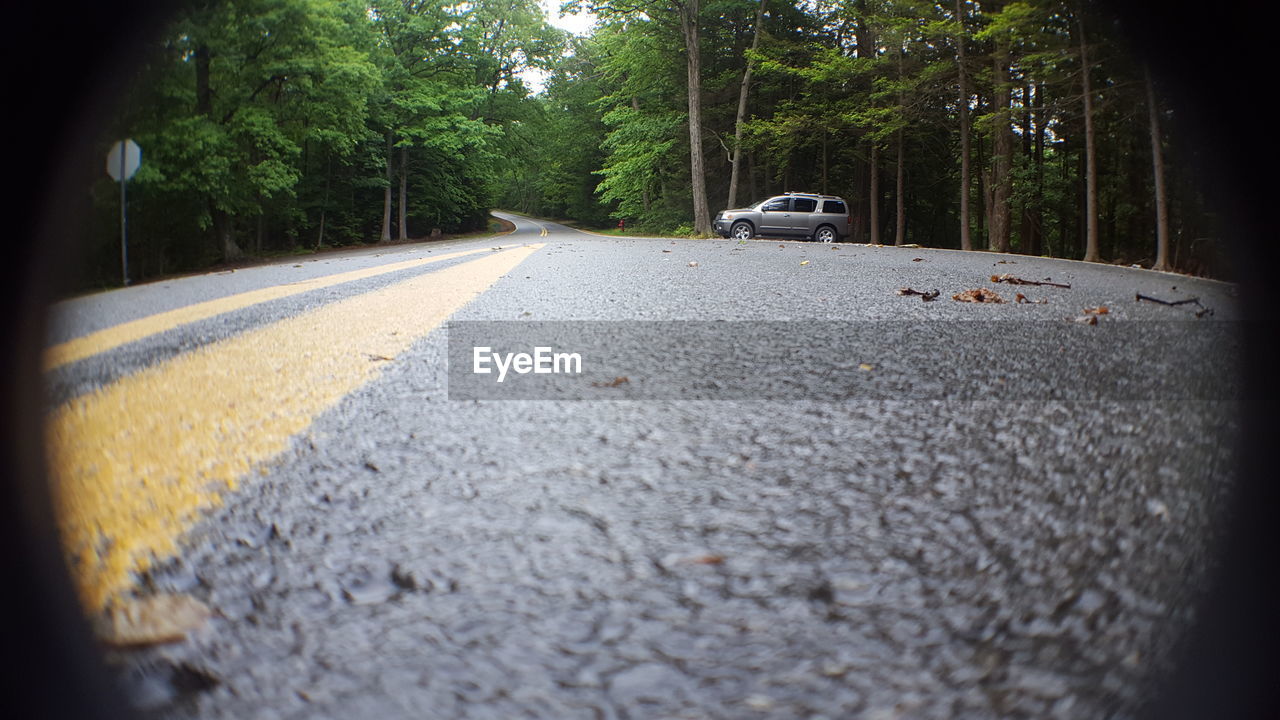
<point>824,218</point>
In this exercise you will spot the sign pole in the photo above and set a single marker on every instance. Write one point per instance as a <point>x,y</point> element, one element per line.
<point>124,229</point>
<point>120,169</point>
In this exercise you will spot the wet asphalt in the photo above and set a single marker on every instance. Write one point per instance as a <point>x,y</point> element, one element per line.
<point>1028,552</point>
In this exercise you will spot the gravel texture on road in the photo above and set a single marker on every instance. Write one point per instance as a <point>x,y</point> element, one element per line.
<point>413,556</point>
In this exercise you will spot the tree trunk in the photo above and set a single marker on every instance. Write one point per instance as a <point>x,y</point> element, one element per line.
<point>1001,153</point>
<point>1157,170</point>
<point>404,194</point>
<point>204,95</point>
<point>874,208</point>
<point>386,198</point>
<point>1090,153</point>
<point>966,240</point>
<point>697,170</point>
<point>742,112</point>
<point>324,207</point>
<point>223,230</point>
<point>900,231</point>
<point>1036,246</point>
<point>825,160</point>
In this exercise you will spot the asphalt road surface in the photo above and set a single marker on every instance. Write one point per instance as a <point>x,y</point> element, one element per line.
<point>782,490</point>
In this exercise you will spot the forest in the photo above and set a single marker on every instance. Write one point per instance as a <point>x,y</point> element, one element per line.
<point>270,127</point>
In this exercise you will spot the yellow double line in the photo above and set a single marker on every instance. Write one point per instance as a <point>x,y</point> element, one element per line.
<point>135,461</point>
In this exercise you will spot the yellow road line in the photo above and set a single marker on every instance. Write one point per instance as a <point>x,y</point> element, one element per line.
<point>117,335</point>
<point>135,462</point>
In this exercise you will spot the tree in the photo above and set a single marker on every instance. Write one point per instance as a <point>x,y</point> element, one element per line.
<point>742,109</point>
<point>685,14</point>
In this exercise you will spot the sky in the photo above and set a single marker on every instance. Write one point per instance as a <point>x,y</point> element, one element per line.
<point>578,24</point>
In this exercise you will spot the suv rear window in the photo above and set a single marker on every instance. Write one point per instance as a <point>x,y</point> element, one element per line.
<point>834,206</point>
<point>805,204</point>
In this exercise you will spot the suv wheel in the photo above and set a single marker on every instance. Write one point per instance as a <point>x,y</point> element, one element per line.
<point>742,230</point>
<point>825,234</point>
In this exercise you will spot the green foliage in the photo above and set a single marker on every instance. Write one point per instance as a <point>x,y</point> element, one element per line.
<point>280,118</point>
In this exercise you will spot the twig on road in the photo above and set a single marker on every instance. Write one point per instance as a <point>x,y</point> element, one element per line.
<point>1014,280</point>
<point>1139,297</point>
<point>925,296</point>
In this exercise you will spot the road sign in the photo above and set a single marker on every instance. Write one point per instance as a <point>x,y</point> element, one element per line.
<point>123,160</point>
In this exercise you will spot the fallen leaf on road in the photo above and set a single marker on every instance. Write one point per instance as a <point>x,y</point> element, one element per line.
<point>153,620</point>
<point>978,295</point>
<point>1086,320</point>
<point>868,367</point>
<point>804,262</point>
<point>693,263</point>
<point>1013,280</point>
<point>917,259</point>
<point>925,296</point>
<point>1100,310</point>
<point>620,380</point>
<point>666,251</point>
<point>706,559</point>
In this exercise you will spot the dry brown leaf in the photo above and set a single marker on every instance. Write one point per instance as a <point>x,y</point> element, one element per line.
<point>978,295</point>
<point>153,620</point>
<point>1086,320</point>
<point>917,259</point>
<point>693,263</point>
<point>1024,300</point>
<point>706,559</point>
<point>620,380</point>
<point>866,366</point>
<point>1100,310</point>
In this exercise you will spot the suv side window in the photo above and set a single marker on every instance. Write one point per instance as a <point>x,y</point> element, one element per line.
<point>777,205</point>
<point>806,204</point>
<point>834,206</point>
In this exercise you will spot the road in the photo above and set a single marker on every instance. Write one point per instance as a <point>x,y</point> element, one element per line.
<point>779,489</point>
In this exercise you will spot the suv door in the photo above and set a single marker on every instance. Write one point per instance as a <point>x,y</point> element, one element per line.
<point>803,214</point>
<point>775,217</point>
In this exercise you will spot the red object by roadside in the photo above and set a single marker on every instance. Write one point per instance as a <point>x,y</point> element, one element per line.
<point>622,224</point>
